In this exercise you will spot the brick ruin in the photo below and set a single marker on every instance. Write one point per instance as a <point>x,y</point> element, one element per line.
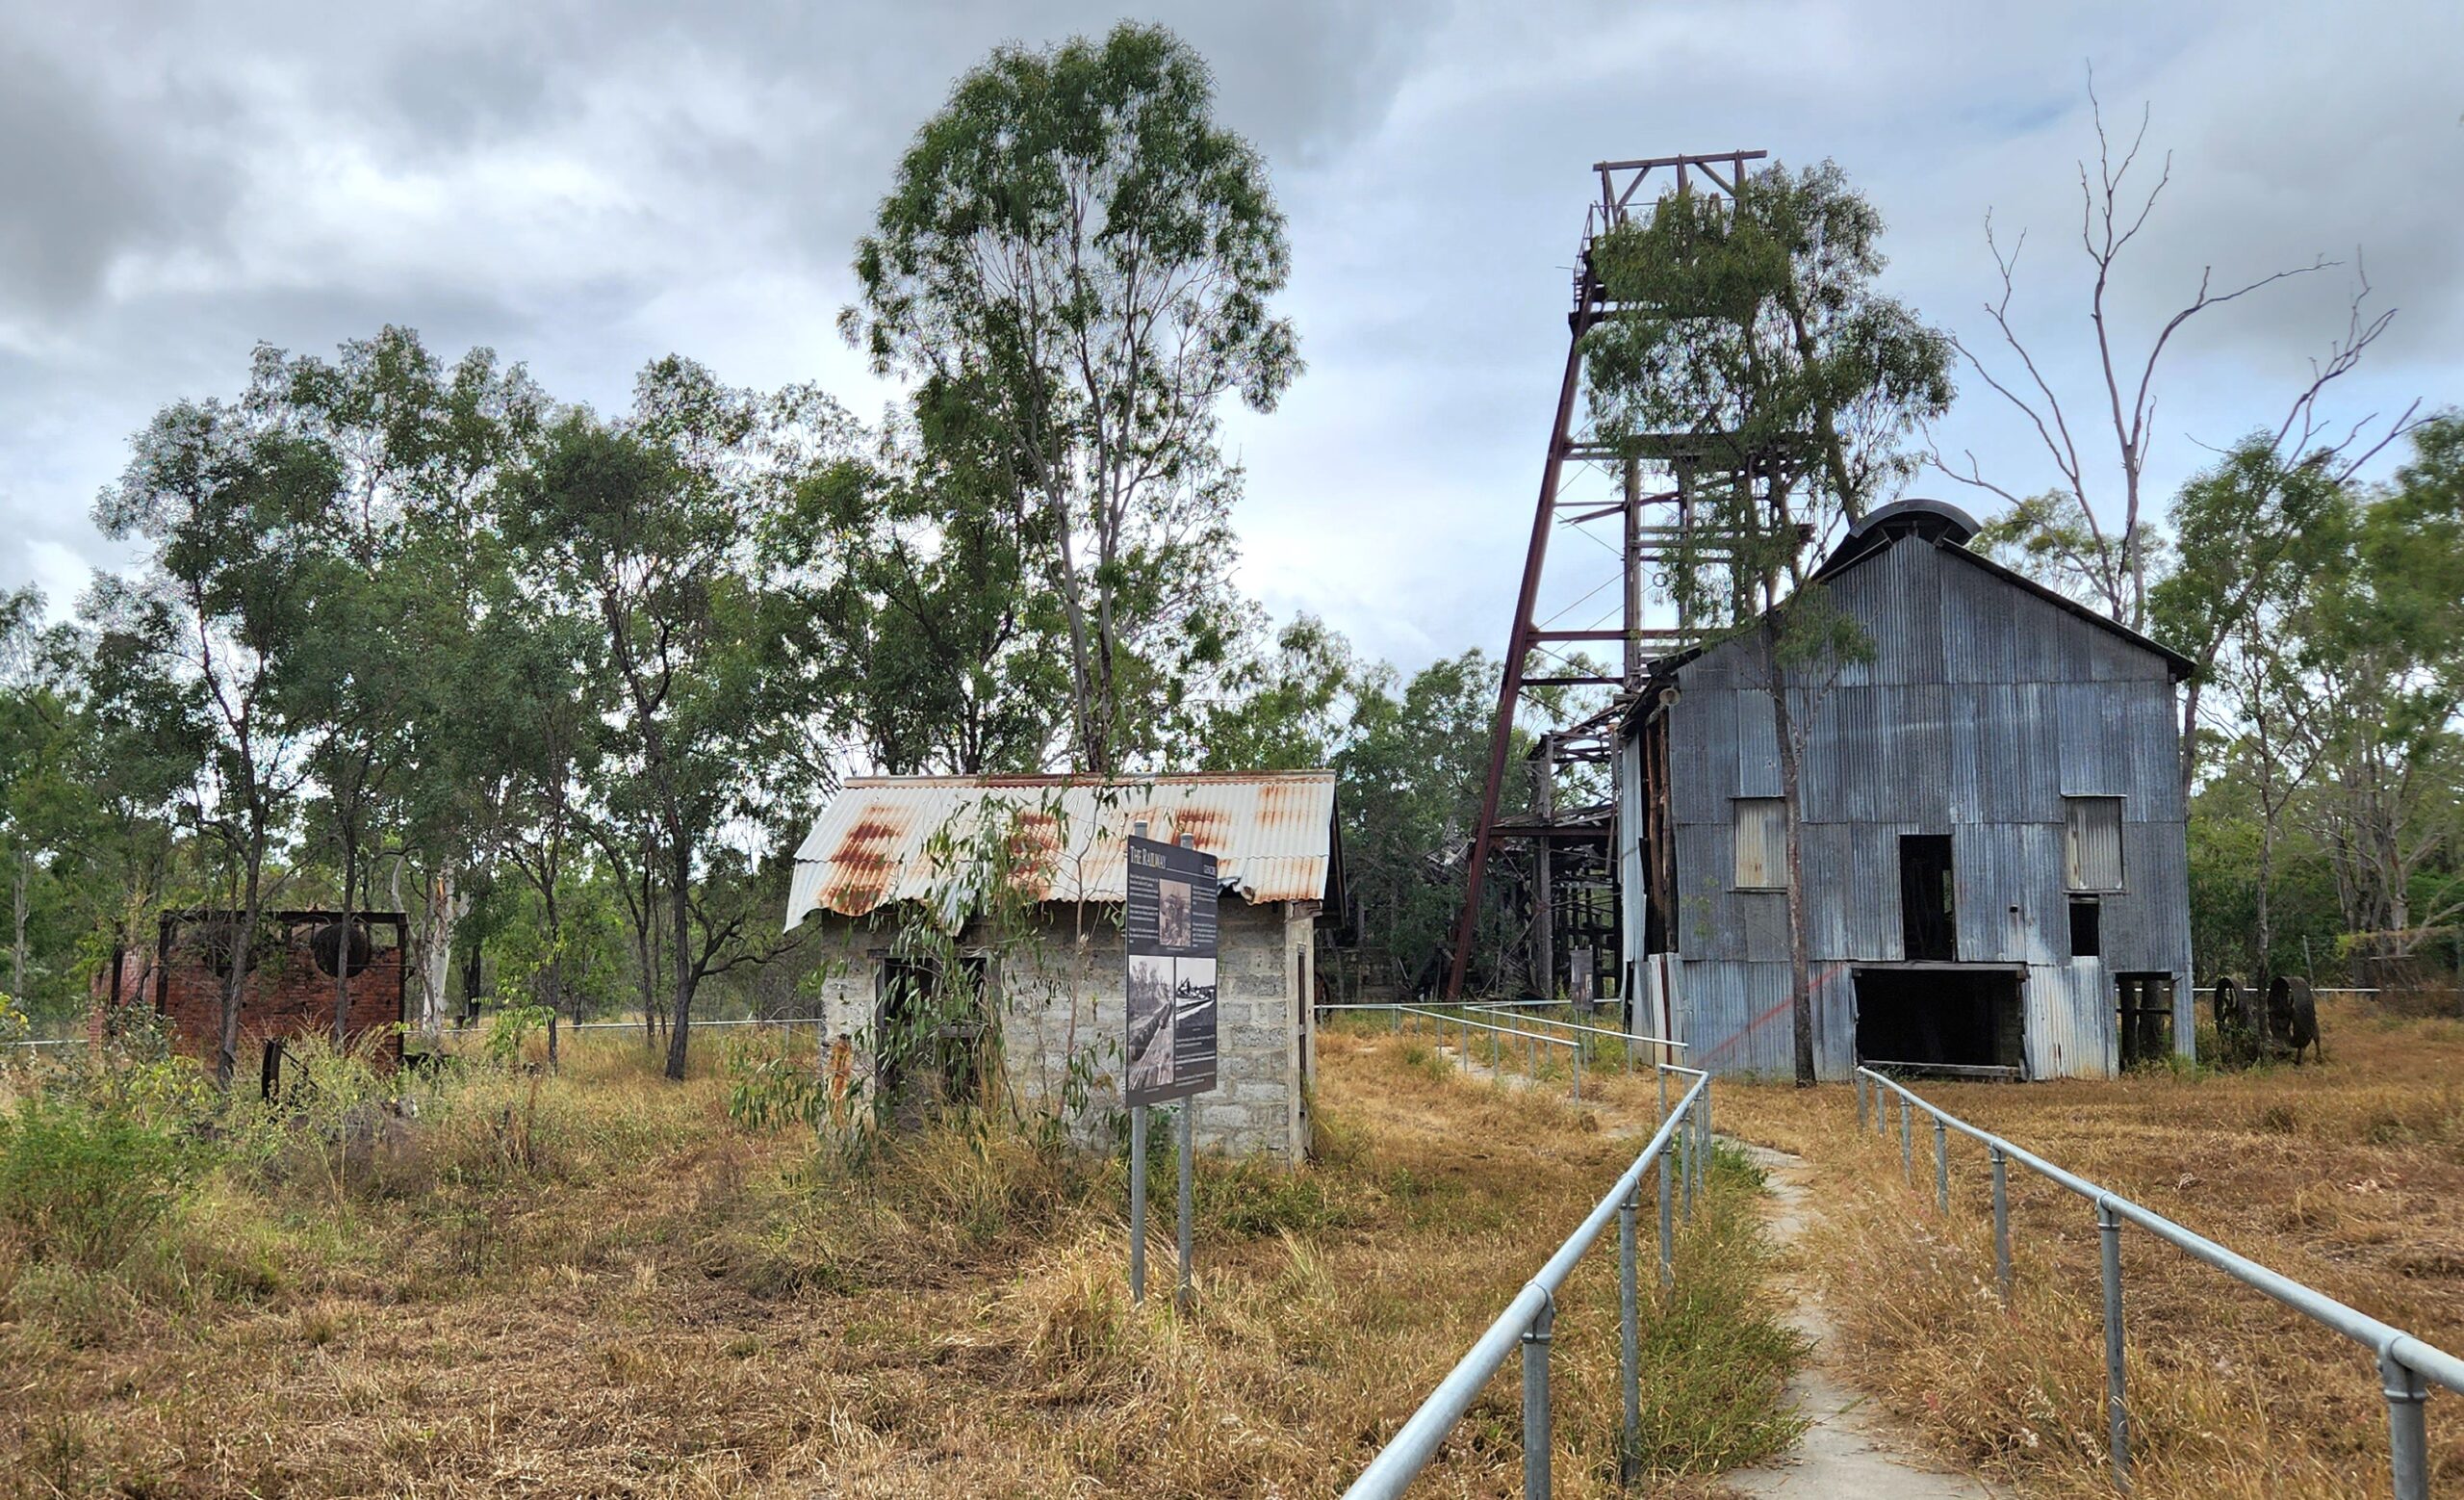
<point>290,987</point>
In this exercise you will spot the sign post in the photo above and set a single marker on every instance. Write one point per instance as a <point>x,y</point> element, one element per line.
<point>1170,943</point>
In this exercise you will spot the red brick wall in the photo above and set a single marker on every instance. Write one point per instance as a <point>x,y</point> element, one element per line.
<point>288,993</point>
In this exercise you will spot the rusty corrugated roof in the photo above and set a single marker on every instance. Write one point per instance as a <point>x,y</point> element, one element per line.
<point>895,837</point>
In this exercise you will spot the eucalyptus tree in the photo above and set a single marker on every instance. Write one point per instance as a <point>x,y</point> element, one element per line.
<point>926,603</point>
<point>2382,652</point>
<point>31,721</point>
<point>197,652</point>
<point>2069,536</point>
<point>1410,768</point>
<point>1754,326</point>
<point>2253,540</point>
<point>653,525</point>
<point>1075,249</point>
<point>83,803</point>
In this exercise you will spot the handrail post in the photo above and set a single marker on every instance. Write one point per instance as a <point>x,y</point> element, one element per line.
<point>1667,1227</point>
<point>1630,1342</point>
<point>2116,1413</point>
<point>1685,1136</point>
<point>1942,1166</point>
<point>1535,1400</point>
<point>1577,1056</point>
<point>2408,1433</point>
<point>1859,1079</point>
<point>1663,1069</point>
<point>2001,1222</point>
<point>1907,1142</point>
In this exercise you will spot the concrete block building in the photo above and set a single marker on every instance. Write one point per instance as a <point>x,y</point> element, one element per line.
<point>1991,829</point>
<point>1050,985</point>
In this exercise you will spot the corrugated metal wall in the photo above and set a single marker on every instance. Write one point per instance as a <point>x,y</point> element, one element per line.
<point>1982,707</point>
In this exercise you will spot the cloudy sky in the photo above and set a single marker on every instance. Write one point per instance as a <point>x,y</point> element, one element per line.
<point>586,187</point>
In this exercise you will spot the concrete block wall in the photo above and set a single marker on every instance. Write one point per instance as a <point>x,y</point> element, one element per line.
<point>1062,1002</point>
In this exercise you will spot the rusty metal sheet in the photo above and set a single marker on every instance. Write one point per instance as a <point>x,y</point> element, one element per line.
<point>888,839</point>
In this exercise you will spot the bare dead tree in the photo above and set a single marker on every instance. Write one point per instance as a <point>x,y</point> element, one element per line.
<point>2063,532</point>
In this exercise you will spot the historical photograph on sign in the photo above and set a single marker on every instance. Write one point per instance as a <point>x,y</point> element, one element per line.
<point>1169,934</point>
<point>1172,913</point>
<point>1152,1023</point>
<point>1193,1024</point>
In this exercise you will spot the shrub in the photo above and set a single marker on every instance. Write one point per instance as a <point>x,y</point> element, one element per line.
<point>82,1185</point>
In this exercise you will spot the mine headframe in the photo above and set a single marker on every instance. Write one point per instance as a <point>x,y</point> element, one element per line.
<point>1558,847</point>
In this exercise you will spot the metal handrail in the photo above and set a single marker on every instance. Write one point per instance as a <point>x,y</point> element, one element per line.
<point>1529,1319</point>
<point>2404,1363</point>
<point>1532,1040</point>
<point>1603,1031</point>
<point>753,1021</point>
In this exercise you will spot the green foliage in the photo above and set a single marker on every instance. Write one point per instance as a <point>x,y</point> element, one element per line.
<point>511,1025</point>
<point>771,1086</point>
<point>84,1185</point>
<point>1757,325</point>
<point>1074,267</point>
<point>1411,771</point>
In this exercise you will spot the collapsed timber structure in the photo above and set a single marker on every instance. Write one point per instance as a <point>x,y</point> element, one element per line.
<point>1989,821</point>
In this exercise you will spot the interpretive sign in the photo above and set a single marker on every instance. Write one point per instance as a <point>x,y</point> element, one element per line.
<point>1171,971</point>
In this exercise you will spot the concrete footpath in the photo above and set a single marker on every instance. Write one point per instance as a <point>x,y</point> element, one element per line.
<point>1847,1451</point>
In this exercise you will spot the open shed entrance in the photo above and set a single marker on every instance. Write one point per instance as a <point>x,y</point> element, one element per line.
<point>928,1037</point>
<point>1944,1017</point>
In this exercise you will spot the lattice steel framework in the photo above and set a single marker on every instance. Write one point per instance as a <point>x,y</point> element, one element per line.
<point>1572,862</point>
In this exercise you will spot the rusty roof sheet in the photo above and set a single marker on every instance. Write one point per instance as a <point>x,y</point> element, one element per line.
<point>886,839</point>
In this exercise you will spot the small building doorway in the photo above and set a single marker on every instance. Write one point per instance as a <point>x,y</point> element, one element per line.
<point>1954,1017</point>
<point>928,1034</point>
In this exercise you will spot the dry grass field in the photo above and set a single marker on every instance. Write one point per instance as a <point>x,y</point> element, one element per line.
<point>2349,1176</point>
<point>601,1284</point>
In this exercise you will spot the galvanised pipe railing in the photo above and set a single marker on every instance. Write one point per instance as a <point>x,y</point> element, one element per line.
<point>1629,1038</point>
<point>1528,1323</point>
<point>2406,1365</point>
<point>1533,1041</point>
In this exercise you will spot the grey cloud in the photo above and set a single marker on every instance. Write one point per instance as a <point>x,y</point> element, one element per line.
<point>82,186</point>
<point>577,184</point>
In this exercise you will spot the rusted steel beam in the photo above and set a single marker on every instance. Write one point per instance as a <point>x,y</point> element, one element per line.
<point>1510,677</point>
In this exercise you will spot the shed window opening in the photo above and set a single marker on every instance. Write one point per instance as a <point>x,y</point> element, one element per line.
<point>2087,937</point>
<point>2092,842</point>
<point>1928,898</point>
<point>1761,843</point>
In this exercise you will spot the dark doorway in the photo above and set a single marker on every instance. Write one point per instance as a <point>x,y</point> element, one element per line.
<point>2145,1021</point>
<point>1929,921</point>
<point>926,1036</point>
<point>1940,1017</point>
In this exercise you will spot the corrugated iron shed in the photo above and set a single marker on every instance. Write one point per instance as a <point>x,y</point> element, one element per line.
<point>885,838</point>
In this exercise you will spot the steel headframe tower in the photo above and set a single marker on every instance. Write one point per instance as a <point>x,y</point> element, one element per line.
<point>1575,841</point>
